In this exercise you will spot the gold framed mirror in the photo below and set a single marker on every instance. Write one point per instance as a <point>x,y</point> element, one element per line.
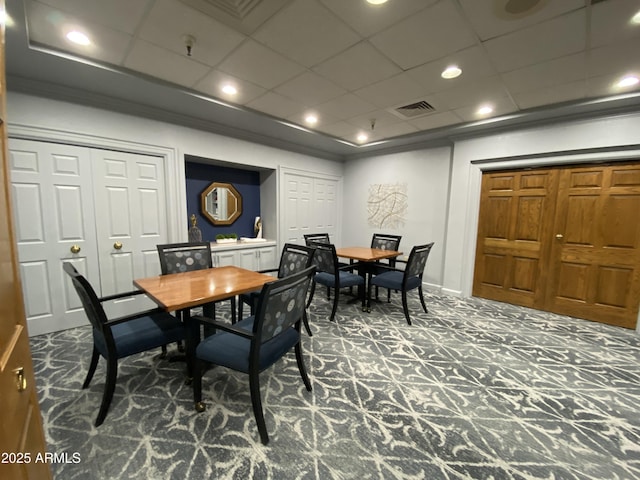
<point>221,203</point>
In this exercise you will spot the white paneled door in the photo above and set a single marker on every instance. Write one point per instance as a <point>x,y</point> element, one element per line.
<point>309,205</point>
<point>102,210</point>
<point>130,222</point>
<point>54,222</point>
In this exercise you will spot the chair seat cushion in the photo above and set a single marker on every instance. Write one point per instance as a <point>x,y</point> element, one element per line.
<point>141,334</point>
<point>393,281</point>
<point>232,351</point>
<point>347,279</point>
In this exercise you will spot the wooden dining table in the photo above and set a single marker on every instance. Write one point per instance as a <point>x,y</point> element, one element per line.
<point>367,256</point>
<point>179,292</point>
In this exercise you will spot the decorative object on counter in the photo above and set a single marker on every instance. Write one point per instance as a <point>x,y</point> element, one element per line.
<point>226,238</point>
<point>221,203</point>
<point>195,234</point>
<point>257,227</point>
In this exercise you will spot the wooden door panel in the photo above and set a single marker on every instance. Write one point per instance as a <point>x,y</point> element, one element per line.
<point>511,234</point>
<point>20,421</point>
<point>595,262</point>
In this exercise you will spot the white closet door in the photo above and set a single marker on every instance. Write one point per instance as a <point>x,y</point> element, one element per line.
<point>53,211</point>
<point>310,205</point>
<point>130,221</point>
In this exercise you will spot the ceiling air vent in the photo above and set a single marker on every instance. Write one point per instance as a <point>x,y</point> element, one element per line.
<point>413,110</point>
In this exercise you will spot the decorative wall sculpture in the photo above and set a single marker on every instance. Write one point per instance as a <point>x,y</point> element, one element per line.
<point>387,205</point>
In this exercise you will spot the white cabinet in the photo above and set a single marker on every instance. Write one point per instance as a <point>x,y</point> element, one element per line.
<point>247,256</point>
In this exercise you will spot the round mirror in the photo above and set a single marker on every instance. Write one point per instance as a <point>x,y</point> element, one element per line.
<point>221,203</point>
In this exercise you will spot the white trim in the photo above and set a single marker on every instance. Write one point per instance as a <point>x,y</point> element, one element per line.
<point>175,186</point>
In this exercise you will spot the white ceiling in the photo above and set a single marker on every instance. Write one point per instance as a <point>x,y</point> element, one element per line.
<point>352,63</point>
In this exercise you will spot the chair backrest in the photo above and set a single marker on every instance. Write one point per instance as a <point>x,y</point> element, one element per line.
<point>294,258</point>
<point>310,238</point>
<point>417,261</point>
<point>383,241</point>
<point>280,306</point>
<point>90,301</point>
<point>184,257</point>
<point>325,258</point>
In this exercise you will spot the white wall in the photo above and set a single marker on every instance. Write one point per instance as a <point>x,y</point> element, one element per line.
<point>426,173</point>
<point>60,117</point>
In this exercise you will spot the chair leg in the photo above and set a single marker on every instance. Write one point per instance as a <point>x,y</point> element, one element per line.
<point>240,309</point>
<point>405,307</point>
<point>109,388</point>
<point>305,320</point>
<point>302,368</point>
<point>424,305</point>
<point>95,356</point>
<point>234,319</point>
<point>163,353</point>
<point>312,290</point>
<point>197,386</point>
<point>256,401</point>
<point>336,298</point>
<point>388,295</point>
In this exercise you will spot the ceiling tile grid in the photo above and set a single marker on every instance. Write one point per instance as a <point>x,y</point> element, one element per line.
<point>354,64</point>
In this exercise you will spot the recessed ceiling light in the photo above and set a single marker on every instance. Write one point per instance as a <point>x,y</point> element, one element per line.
<point>362,137</point>
<point>485,110</point>
<point>229,89</point>
<point>452,71</point>
<point>78,37</point>
<point>636,18</point>
<point>628,81</point>
<point>376,2</point>
<point>311,119</point>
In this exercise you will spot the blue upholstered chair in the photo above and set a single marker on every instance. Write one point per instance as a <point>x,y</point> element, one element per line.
<point>120,337</point>
<point>255,343</point>
<point>334,276</point>
<point>186,257</point>
<point>309,240</point>
<point>383,241</point>
<point>405,280</point>
<point>293,259</point>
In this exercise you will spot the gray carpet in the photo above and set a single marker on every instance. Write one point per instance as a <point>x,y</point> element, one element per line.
<point>474,389</point>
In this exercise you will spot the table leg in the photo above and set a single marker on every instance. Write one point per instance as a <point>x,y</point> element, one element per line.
<point>193,338</point>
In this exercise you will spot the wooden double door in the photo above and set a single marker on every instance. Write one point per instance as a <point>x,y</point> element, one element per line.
<point>563,240</point>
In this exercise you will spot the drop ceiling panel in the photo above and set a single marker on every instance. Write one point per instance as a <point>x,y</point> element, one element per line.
<point>486,90</point>
<point>394,130</point>
<point>617,59</point>
<point>105,13</point>
<point>501,106</point>
<point>212,82</point>
<point>345,107</point>
<point>429,34</point>
<point>49,27</point>
<point>276,105</point>
<point>169,21</point>
<point>546,74</point>
<point>307,32</point>
<point>612,25</point>
<point>310,89</point>
<point>158,62</point>
<point>392,91</point>
<point>435,120</point>
<point>358,66</point>
<point>473,62</point>
<point>370,19</point>
<point>254,62</point>
<point>539,43</point>
<point>551,95</point>
<point>490,18</point>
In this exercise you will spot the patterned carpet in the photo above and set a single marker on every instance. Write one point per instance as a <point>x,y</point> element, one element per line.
<point>474,389</point>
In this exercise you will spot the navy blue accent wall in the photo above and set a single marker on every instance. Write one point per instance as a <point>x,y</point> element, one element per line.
<point>199,176</point>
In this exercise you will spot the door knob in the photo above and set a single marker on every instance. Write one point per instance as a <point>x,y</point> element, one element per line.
<point>75,249</point>
<point>117,245</point>
<point>559,236</point>
<point>21,380</point>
